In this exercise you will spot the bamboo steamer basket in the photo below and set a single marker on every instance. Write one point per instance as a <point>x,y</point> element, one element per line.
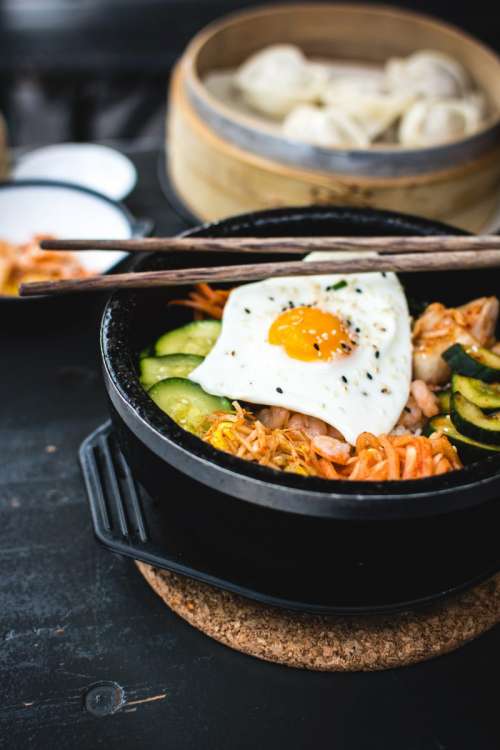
<point>222,162</point>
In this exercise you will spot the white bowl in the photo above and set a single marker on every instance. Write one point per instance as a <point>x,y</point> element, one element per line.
<point>86,164</point>
<point>66,211</point>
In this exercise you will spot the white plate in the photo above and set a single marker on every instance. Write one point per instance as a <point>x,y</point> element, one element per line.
<point>87,164</point>
<point>65,211</point>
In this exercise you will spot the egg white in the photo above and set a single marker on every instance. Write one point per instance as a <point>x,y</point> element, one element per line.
<point>363,391</point>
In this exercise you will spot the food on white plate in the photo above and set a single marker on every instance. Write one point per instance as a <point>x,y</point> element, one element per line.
<point>277,78</point>
<point>424,99</point>
<point>433,121</point>
<point>427,73</point>
<point>327,376</point>
<point>324,127</point>
<point>21,264</point>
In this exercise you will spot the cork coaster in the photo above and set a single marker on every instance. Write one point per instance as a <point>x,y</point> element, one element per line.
<point>332,643</point>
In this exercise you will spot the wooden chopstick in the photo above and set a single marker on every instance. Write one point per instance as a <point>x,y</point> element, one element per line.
<point>290,245</point>
<point>410,262</point>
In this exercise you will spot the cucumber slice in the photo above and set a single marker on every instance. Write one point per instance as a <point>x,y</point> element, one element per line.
<point>444,398</point>
<point>474,362</point>
<point>187,403</point>
<point>484,395</point>
<point>468,449</point>
<point>154,369</point>
<point>194,338</point>
<point>471,421</point>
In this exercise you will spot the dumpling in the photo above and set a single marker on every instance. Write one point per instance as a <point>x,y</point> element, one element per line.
<point>220,84</point>
<point>430,122</point>
<point>357,82</point>
<point>324,127</point>
<point>277,78</point>
<point>374,109</point>
<point>427,74</point>
<point>478,100</point>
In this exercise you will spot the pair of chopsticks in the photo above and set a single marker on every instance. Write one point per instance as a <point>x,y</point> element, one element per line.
<point>405,254</point>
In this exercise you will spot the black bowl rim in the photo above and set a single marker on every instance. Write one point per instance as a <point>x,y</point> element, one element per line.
<point>138,227</point>
<point>470,486</point>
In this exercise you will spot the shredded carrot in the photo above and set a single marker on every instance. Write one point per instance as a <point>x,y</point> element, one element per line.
<point>392,457</point>
<point>27,262</point>
<point>205,300</point>
<point>386,457</point>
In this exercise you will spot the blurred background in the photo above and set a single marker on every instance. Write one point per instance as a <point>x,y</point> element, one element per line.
<point>87,70</point>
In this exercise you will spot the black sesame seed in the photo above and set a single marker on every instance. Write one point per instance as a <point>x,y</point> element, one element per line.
<point>384,274</point>
<point>233,353</point>
<point>247,310</point>
<point>369,376</point>
<point>280,390</point>
<point>290,304</point>
<point>271,299</point>
<point>377,354</point>
<point>344,378</point>
<point>357,330</point>
<point>407,410</point>
<point>385,390</point>
<point>348,322</point>
<point>364,393</point>
<point>358,290</point>
<point>316,346</point>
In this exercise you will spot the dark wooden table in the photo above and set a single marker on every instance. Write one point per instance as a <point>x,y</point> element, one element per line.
<point>73,615</point>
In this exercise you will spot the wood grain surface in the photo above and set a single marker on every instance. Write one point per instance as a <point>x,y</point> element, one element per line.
<point>286,245</point>
<point>412,262</point>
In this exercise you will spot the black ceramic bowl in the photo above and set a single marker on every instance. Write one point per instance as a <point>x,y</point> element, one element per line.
<point>331,545</point>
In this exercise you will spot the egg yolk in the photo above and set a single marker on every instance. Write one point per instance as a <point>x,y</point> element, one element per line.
<point>310,334</point>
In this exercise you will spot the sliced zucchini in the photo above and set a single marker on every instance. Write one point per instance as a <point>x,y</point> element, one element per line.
<point>154,369</point>
<point>197,337</point>
<point>468,449</point>
<point>471,421</point>
<point>484,395</point>
<point>474,362</point>
<point>187,403</point>
<point>444,398</point>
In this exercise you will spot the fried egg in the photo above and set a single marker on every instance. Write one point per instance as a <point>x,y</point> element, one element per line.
<point>336,347</point>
